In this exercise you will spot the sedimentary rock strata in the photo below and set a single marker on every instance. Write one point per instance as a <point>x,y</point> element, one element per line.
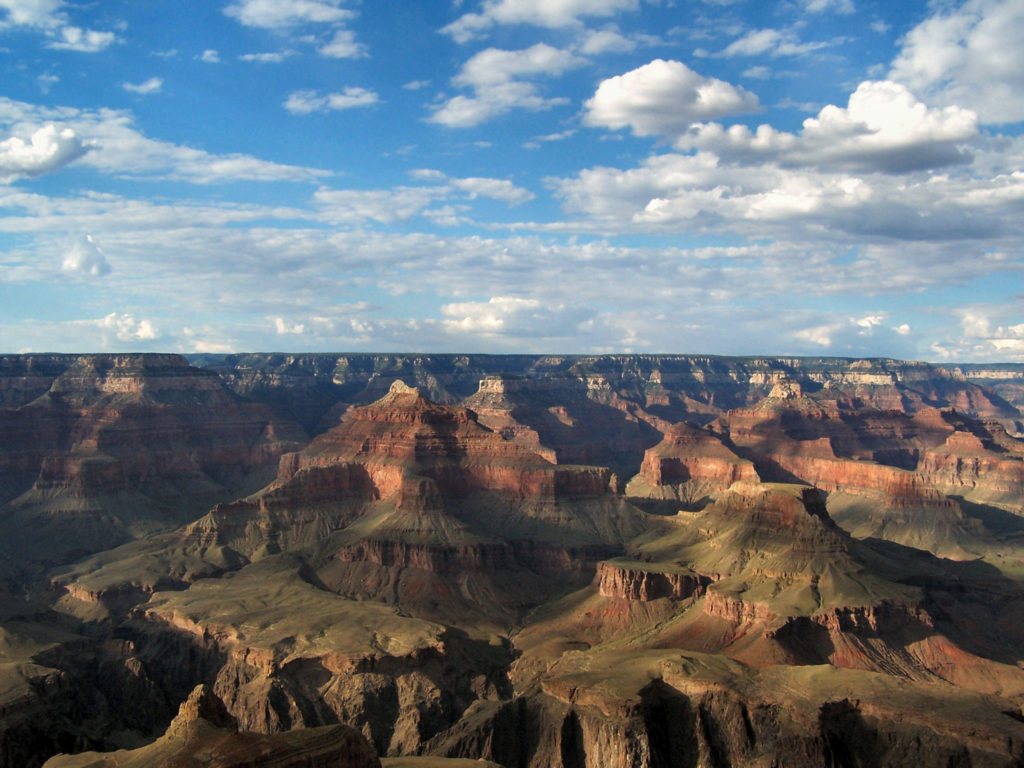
<point>636,561</point>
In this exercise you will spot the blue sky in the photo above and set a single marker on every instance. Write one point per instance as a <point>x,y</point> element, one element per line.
<point>838,177</point>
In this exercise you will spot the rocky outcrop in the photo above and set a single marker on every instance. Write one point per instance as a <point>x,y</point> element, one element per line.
<point>675,721</point>
<point>568,419</point>
<point>203,733</point>
<point>689,465</point>
<point>312,658</point>
<point>118,446</point>
<point>454,582</point>
<point>634,582</point>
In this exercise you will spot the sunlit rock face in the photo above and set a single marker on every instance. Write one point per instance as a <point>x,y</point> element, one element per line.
<point>100,449</point>
<point>533,561</point>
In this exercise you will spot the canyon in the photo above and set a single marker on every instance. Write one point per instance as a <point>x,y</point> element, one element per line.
<point>635,561</point>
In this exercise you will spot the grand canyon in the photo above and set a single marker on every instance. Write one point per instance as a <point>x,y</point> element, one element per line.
<point>528,561</point>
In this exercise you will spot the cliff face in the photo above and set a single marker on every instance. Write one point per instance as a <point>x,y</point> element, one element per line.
<point>672,387</point>
<point>933,479</point>
<point>688,466</point>
<point>626,581</point>
<point>103,448</point>
<point>439,571</point>
<point>203,730</point>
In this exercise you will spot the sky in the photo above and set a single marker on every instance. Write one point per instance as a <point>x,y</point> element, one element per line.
<point>735,177</point>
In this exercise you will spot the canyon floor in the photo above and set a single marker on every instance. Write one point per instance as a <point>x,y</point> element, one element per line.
<point>617,561</point>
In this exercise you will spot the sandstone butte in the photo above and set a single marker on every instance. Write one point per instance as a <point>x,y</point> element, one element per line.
<point>449,560</point>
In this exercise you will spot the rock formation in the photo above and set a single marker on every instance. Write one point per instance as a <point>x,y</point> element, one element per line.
<point>204,734</point>
<point>635,561</point>
<point>101,449</point>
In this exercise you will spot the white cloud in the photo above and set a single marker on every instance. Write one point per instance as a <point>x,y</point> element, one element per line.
<point>152,85</point>
<point>196,265</point>
<point>491,316</point>
<point>541,13</point>
<point>82,40</point>
<point>277,14</point>
<point>210,56</point>
<point>664,97</point>
<point>838,6</point>
<point>126,328</point>
<point>85,258</point>
<point>284,328</point>
<point>970,56</point>
<point>974,210</point>
<point>883,128</point>
<point>46,81</point>
<point>343,46</point>
<point>385,206</point>
<point>287,15</point>
<point>115,146</point>
<point>307,102</point>
<point>32,13</point>
<point>275,57</point>
<point>770,41</point>
<point>48,16</point>
<point>48,149</point>
<point>494,76</point>
<point>415,85</point>
<point>608,40</point>
<point>496,189</point>
<point>989,332</point>
<point>494,66</point>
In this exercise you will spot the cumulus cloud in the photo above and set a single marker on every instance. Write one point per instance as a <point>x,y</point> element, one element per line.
<point>152,85</point>
<point>496,189</point>
<point>702,192</point>
<point>278,14</point>
<point>307,102</point>
<point>969,55</point>
<point>284,328</point>
<point>608,40</point>
<point>848,334</point>
<point>836,6</point>
<point>85,258</point>
<point>210,56</point>
<point>126,328</point>
<point>498,314</point>
<point>540,13</point>
<point>882,128</point>
<point>664,97</point>
<point>32,13</point>
<point>287,15</point>
<point>496,79</point>
<point>343,46</point>
<point>116,146</point>
<point>48,149</point>
<point>990,332</point>
<point>82,40</point>
<point>49,17</point>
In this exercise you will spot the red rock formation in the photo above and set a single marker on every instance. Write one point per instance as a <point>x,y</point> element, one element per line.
<point>120,445</point>
<point>691,454</point>
<point>638,583</point>
<point>404,431</point>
